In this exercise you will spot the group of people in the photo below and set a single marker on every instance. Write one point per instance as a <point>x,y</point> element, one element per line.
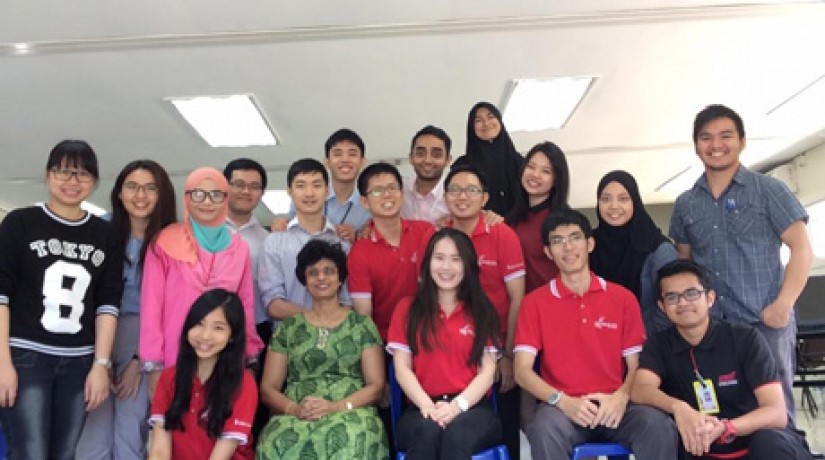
<point>236,341</point>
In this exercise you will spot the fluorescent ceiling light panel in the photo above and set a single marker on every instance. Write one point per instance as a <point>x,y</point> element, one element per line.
<point>535,105</point>
<point>277,201</point>
<point>226,121</point>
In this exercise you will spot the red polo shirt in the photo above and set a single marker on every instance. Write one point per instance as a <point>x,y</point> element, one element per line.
<point>582,339</point>
<point>499,260</point>
<point>385,273</point>
<point>194,443</point>
<point>443,369</point>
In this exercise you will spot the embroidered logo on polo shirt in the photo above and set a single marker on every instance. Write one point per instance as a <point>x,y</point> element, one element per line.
<point>482,261</point>
<point>727,380</point>
<point>467,330</point>
<point>239,422</point>
<point>601,323</point>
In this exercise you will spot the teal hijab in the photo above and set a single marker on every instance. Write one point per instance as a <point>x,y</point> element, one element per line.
<point>212,239</point>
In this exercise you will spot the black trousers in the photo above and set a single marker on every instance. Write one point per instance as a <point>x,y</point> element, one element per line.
<point>262,413</point>
<point>509,411</point>
<point>477,429</point>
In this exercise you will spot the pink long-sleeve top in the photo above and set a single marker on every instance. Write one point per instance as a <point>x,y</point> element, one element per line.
<point>170,287</point>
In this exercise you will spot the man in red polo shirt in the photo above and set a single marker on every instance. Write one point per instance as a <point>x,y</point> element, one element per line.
<point>383,267</point>
<point>589,333</point>
<point>501,269</point>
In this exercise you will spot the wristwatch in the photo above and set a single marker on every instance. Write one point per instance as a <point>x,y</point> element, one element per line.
<point>554,398</point>
<point>729,434</point>
<point>105,362</point>
<point>462,403</point>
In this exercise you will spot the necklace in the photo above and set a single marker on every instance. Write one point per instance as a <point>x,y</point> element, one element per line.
<point>323,326</point>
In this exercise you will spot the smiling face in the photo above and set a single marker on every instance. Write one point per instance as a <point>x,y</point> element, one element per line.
<point>487,127</point>
<point>387,203</point>
<point>718,144</point>
<point>615,205</point>
<point>686,314</point>
<point>461,202</point>
<point>322,279</point>
<point>68,193</point>
<point>211,335</point>
<point>344,161</point>
<point>206,211</point>
<point>139,194</point>
<point>570,249</point>
<point>429,157</point>
<point>308,192</point>
<point>446,266</point>
<point>537,178</point>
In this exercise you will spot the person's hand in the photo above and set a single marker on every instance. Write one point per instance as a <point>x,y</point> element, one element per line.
<point>694,429</point>
<point>442,222</point>
<point>127,383</point>
<point>279,224</point>
<point>8,384</point>
<point>346,232</point>
<point>505,371</point>
<point>611,408</point>
<point>365,232</point>
<point>152,383</point>
<point>315,408</point>
<point>776,316</point>
<point>97,387</point>
<point>444,413</point>
<point>427,412</point>
<point>581,411</point>
<point>492,218</point>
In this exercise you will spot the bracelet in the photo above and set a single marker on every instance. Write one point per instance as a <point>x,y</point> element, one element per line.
<point>349,405</point>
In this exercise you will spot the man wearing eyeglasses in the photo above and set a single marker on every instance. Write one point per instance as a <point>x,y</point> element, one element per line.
<point>247,182</point>
<point>587,334</point>
<point>718,380</point>
<point>501,270</point>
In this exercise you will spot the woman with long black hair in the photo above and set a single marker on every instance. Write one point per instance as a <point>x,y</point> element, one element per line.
<point>445,343</point>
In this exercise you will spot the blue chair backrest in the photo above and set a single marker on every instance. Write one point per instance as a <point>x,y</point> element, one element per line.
<point>612,451</point>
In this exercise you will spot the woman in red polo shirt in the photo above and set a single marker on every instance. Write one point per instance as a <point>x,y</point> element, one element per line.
<point>203,406</point>
<point>444,346</point>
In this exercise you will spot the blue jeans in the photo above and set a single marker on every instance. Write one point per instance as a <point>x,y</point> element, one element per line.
<point>48,415</point>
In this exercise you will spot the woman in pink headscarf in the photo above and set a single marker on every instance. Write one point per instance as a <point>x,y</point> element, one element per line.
<point>188,259</point>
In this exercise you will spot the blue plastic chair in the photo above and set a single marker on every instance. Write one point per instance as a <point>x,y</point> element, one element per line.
<point>498,452</point>
<point>611,450</point>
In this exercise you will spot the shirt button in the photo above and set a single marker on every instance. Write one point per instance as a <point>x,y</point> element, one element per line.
<point>584,320</point>
<point>715,226</point>
<point>717,273</point>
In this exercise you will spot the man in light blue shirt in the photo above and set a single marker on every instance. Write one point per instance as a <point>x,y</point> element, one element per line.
<point>284,295</point>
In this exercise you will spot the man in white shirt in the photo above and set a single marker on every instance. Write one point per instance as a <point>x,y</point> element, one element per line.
<point>424,194</point>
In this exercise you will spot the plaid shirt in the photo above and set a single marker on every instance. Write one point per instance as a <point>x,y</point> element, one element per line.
<point>737,238</point>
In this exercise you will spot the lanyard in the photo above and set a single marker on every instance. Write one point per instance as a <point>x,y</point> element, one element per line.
<point>696,370</point>
<point>346,213</point>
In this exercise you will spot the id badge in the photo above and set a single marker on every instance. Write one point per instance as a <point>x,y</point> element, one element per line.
<point>706,396</point>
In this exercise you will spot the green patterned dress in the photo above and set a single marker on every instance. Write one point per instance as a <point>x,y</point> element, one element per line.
<point>332,372</point>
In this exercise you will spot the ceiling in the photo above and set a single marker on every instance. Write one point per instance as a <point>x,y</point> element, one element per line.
<point>99,70</point>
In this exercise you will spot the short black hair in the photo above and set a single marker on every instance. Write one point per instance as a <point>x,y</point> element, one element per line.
<point>344,134</point>
<point>314,251</point>
<point>78,154</point>
<point>244,164</point>
<point>679,266</point>
<point>466,168</point>
<point>306,166</point>
<point>431,130</point>
<point>713,112</point>
<point>373,170</point>
<point>564,217</point>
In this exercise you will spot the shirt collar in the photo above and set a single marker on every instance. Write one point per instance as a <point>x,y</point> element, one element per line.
<point>353,198</point>
<point>328,227</point>
<point>252,222</point>
<point>741,177</point>
<point>437,191</point>
<point>376,236</point>
<point>560,291</point>
<point>679,344</point>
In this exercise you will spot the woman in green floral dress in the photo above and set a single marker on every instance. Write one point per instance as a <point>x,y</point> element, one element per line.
<point>324,373</point>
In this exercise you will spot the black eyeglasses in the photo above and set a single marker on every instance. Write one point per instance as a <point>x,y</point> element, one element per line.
<point>66,175</point>
<point>379,190</point>
<point>691,294</point>
<point>199,195</point>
